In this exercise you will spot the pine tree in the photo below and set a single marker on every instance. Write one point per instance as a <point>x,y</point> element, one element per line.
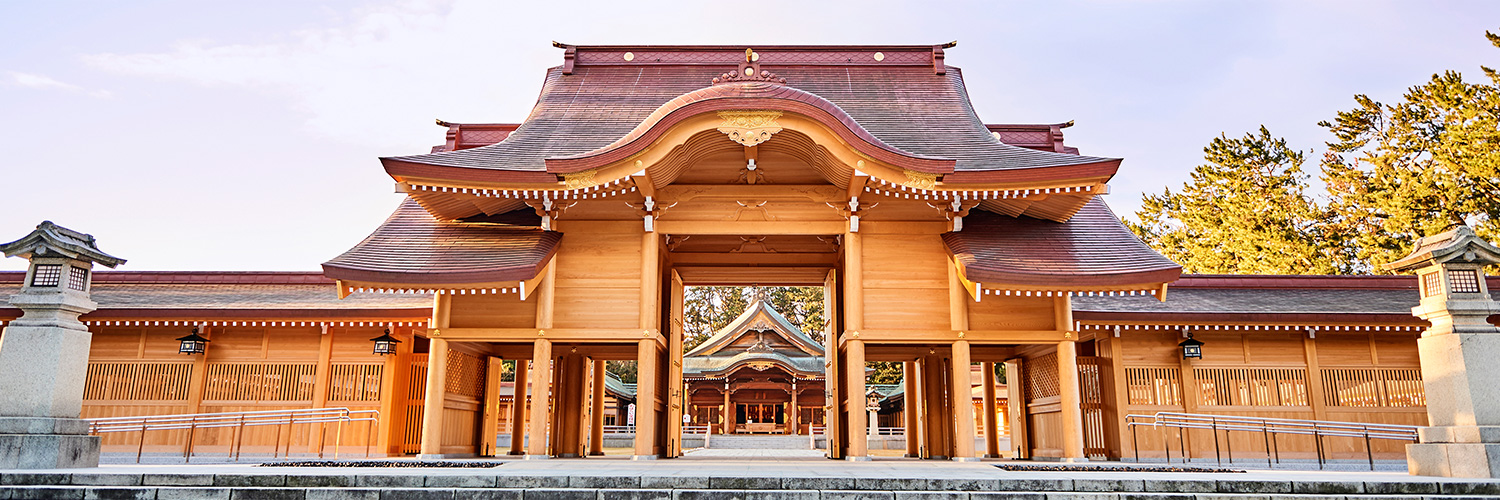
<point>1245,211</point>
<point>1398,172</point>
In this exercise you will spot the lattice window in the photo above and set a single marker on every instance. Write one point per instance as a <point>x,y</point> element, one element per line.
<point>47,275</point>
<point>1463,280</point>
<point>260,381</point>
<point>1373,387</point>
<point>1252,386</point>
<point>1154,386</point>
<point>354,382</point>
<point>1431,285</point>
<point>78,278</point>
<point>137,381</point>
<point>1041,377</point>
<point>465,374</point>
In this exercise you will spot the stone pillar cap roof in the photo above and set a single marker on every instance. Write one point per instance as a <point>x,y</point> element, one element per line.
<point>1457,244</point>
<point>50,239</point>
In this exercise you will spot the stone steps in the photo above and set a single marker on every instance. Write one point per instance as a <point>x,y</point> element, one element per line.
<point>758,441</point>
<point>446,485</point>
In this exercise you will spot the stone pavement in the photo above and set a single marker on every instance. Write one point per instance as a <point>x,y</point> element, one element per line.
<point>726,477</point>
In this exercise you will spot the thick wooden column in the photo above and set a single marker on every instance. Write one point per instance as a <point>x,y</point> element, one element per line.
<point>568,401</point>
<point>792,416</point>
<point>199,382</point>
<point>937,415</point>
<point>432,400</point>
<point>676,399</point>
<point>991,419</point>
<point>728,414</point>
<point>518,409</point>
<point>393,387</point>
<point>854,356</point>
<point>963,403</point>
<point>1116,399</point>
<point>645,400</point>
<point>490,426</point>
<point>1071,401</point>
<point>1015,399</point>
<point>596,437</point>
<point>1314,377</point>
<point>437,379</point>
<point>1190,395</point>
<point>911,404</point>
<point>321,375</point>
<point>541,392</point>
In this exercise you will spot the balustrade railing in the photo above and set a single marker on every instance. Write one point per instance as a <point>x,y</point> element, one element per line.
<point>283,419</point>
<point>1268,428</point>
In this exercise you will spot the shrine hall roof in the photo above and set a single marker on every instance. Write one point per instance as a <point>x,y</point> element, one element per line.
<point>243,295</point>
<point>1091,249</point>
<point>1261,298</point>
<point>412,247</point>
<point>600,95</point>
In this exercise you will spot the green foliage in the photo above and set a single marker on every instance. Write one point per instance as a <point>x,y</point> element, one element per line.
<point>1392,174</point>
<point>1401,171</point>
<point>886,372</point>
<point>623,369</point>
<point>1245,211</point>
<point>707,309</point>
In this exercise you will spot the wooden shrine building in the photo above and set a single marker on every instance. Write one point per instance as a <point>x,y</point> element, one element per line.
<point>940,241</point>
<point>759,374</point>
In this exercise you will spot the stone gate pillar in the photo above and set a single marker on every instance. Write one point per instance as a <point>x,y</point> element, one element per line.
<point>1458,354</point>
<point>44,354</point>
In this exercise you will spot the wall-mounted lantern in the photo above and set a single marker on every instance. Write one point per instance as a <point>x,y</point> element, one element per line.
<point>192,343</point>
<point>385,344</point>
<point>1191,348</point>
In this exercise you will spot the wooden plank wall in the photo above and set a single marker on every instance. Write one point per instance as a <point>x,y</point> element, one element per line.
<point>1364,376</point>
<point>137,371</point>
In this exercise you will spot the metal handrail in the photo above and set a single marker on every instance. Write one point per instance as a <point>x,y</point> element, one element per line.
<point>239,420</point>
<point>1269,428</point>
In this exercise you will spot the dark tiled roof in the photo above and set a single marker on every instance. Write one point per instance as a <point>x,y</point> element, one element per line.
<point>907,107</point>
<point>1091,249</point>
<point>1268,298</point>
<point>411,247</point>
<point>201,294</point>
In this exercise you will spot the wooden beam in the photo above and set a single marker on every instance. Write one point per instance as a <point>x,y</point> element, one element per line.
<point>973,336</point>
<point>610,335</point>
<point>690,227</point>
<point>794,192</point>
<point>801,259</point>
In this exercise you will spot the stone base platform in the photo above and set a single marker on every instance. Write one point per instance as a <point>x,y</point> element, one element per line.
<point>698,479</point>
<point>46,443</point>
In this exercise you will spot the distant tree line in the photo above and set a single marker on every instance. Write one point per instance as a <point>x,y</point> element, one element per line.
<point>1391,174</point>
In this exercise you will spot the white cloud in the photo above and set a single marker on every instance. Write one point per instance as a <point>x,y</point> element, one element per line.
<point>43,82</point>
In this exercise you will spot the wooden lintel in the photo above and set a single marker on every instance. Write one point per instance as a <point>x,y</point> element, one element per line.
<point>731,259</point>
<point>814,193</point>
<point>857,182</point>
<point>556,335</point>
<point>949,336</point>
<point>688,227</point>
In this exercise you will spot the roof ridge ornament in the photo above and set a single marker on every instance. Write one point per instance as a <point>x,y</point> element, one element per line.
<point>749,71</point>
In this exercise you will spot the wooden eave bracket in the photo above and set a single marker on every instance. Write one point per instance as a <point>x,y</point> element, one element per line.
<point>528,287</point>
<point>970,286</point>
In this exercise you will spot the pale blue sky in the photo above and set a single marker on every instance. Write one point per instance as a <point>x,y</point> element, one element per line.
<point>194,135</point>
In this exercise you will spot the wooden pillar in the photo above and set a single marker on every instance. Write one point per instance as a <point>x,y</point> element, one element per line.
<point>911,403</point>
<point>937,415</point>
<point>393,387</point>
<point>568,399</point>
<point>728,414</point>
<point>518,409</point>
<point>1190,395</point>
<point>1314,377</point>
<point>991,419</point>
<point>199,383</point>
<point>792,414</point>
<point>1117,399</point>
<point>832,394</point>
<point>1071,401</point>
<point>596,437</point>
<point>541,393</point>
<point>854,356</point>
<point>677,399</point>
<point>1015,388</point>
<point>963,403</point>
<point>432,401</point>
<point>490,426</point>
<point>321,379</point>
<point>645,400</point>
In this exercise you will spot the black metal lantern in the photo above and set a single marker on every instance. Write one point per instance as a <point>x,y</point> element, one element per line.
<point>192,343</point>
<point>385,344</point>
<point>1191,348</point>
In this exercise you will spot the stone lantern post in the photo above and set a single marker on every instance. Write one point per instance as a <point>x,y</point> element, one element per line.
<point>44,354</point>
<point>1458,354</point>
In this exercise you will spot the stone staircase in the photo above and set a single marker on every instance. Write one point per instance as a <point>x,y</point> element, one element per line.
<point>758,441</point>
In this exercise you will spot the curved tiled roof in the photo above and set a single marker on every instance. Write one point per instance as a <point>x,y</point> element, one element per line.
<point>716,365</point>
<point>412,247</point>
<point>908,108</point>
<point>1091,249</point>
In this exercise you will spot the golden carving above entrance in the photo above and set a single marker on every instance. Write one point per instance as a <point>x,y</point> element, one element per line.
<point>920,180</point>
<point>580,179</point>
<point>749,128</point>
